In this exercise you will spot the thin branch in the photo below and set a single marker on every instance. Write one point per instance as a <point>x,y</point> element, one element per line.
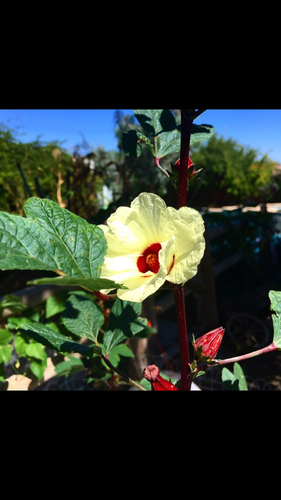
<point>125,377</point>
<point>104,297</point>
<point>263,350</point>
<point>157,164</point>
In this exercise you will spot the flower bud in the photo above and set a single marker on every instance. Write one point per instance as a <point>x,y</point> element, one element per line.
<point>189,166</point>
<point>210,342</point>
<point>158,383</point>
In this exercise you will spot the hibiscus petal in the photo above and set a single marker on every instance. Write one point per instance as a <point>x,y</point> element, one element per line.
<point>150,210</point>
<point>132,230</point>
<point>140,287</point>
<point>186,266</point>
<point>187,226</point>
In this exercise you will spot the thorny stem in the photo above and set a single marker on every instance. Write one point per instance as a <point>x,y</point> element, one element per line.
<point>186,377</point>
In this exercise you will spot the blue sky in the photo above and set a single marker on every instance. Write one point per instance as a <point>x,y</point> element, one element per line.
<point>257,128</point>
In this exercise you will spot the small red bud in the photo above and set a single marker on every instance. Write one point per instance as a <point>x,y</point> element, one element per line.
<point>158,383</point>
<point>210,342</point>
<point>190,164</point>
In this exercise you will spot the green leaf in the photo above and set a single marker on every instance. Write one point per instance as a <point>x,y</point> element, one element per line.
<point>146,384</point>
<point>37,369</point>
<point>155,121</point>
<point>32,314</point>
<point>92,284</point>
<point>5,353</point>
<point>168,142</point>
<point>21,344</point>
<point>82,317</point>
<point>119,350</point>
<point>2,376</point>
<point>239,374</point>
<point>201,133</point>
<point>132,143</point>
<point>123,350</point>
<point>72,365</point>
<point>275,300</point>
<point>12,302</point>
<point>13,323</point>
<point>5,336</point>
<point>55,304</point>
<point>124,321</point>
<point>234,381</point>
<point>54,340</point>
<point>230,382</point>
<point>36,350</point>
<point>161,123</point>
<point>51,238</point>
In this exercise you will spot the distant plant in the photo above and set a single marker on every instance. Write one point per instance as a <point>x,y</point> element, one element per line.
<point>42,164</point>
<point>231,173</point>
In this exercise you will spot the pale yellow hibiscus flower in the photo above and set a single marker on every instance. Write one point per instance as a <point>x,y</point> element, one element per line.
<point>149,243</point>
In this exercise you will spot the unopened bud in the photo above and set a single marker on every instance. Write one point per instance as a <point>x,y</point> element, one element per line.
<point>210,342</point>
<point>190,164</point>
<point>158,383</point>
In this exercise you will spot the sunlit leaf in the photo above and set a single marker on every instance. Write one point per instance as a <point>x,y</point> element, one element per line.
<point>51,238</point>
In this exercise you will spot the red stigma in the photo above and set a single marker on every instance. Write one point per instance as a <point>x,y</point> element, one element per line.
<point>148,261</point>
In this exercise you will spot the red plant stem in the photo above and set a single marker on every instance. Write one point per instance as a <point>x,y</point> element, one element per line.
<point>186,378</point>
<point>269,348</point>
<point>104,297</point>
<point>186,124</point>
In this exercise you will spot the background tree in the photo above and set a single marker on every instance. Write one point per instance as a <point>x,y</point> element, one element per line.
<point>43,165</point>
<point>231,173</point>
<point>127,177</point>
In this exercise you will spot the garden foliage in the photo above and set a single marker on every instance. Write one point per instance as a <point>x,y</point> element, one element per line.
<point>51,238</point>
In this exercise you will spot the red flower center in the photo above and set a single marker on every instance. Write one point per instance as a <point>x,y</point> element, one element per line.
<point>148,261</point>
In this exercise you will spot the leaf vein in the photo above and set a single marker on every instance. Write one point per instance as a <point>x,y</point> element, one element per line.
<point>63,242</point>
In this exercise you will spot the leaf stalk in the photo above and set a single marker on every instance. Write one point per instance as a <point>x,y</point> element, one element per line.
<point>271,347</point>
<point>123,375</point>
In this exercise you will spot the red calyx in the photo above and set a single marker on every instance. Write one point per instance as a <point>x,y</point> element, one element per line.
<point>210,342</point>
<point>189,166</point>
<point>158,383</point>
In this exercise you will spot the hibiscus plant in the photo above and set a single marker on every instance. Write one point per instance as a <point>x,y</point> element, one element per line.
<point>137,251</point>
